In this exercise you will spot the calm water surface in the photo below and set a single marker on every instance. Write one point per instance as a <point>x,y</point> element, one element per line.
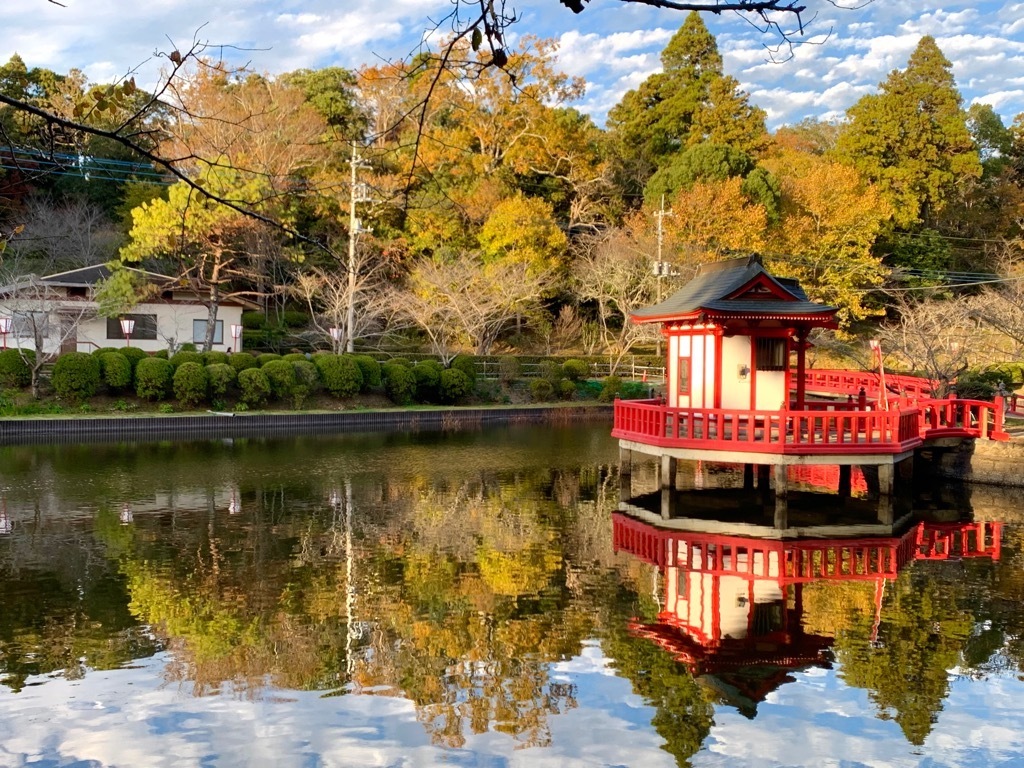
<point>479,599</point>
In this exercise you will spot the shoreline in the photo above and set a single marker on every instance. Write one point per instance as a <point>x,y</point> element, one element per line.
<point>212,425</point>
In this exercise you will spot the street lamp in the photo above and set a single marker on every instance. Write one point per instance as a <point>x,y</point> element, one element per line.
<point>127,326</point>
<point>236,336</point>
<point>336,336</point>
<point>5,328</point>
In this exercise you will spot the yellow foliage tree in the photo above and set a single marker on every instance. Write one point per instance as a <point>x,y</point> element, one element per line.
<point>715,217</point>
<point>522,229</point>
<point>830,219</point>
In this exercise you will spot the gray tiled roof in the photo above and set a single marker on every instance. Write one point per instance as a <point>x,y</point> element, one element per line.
<point>714,282</point>
<point>87,276</point>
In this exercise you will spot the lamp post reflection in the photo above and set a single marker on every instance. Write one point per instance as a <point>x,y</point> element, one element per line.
<point>126,516</point>
<point>6,526</point>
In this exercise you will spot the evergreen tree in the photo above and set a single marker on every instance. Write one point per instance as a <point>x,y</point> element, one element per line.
<point>689,102</point>
<point>911,138</point>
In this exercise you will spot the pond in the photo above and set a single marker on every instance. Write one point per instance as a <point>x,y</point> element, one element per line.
<point>484,598</point>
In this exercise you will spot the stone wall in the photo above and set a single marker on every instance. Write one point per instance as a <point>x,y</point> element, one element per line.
<point>974,461</point>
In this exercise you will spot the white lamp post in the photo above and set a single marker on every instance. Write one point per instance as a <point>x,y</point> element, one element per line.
<point>5,328</point>
<point>127,326</point>
<point>336,336</point>
<point>236,336</point>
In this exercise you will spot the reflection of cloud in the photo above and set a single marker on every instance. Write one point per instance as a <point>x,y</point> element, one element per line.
<point>816,720</point>
<point>131,717</point>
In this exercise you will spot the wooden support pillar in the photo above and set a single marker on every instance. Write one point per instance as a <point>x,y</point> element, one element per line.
<point>668,471</point>
<point>763,473</point>
<point>845,480</point>
<point>625,474</point>
<point>667,498</point>
<point>748,477</point>
<point>781,496</point>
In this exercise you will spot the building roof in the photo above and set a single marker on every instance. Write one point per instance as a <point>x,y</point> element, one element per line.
<point>736,287</point>
<point>89,276</point>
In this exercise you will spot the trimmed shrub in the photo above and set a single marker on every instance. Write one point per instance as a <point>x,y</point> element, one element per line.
<point>14,371</point>
<point>428,380</point>
<point>307,381</point>
<point>370,369</point>
<point>466,364</point>
<point>509,369</point>
<point>634,390</point>
<point>400,361</point>
<point>281,375</point>
<point>191,384</point>
<point>566,389</point>
<point>115,371</point>
<point>254,321</point>
<point>222,378</point>
<point>266,357</point>
<point>399,382</point>
<point>293,319</point>
<point>340,374</point>
<point>76,376</point>
<point>106,350</point>
<point>610,389</point>
<point>455,385</point>
<point>551,371</point>
<point>163,354</point>
<point>294,357</point>
<point>254,386</point>
<point>153,378</point>
<point>215,357</point>
<point>242,360</point>
<point>541,390</point>
<point>186,357</point>
<point>133,355</point>
<point>188,347</point>
<point>574,369</point>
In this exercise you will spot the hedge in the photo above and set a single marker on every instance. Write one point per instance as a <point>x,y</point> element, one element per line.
<point>14,370</point>
<point>281,376</point>
<point>115,370</point>
<point>254,386</point>
<point>399,382</point>
<point>222,378</point>
<point>340,374</point>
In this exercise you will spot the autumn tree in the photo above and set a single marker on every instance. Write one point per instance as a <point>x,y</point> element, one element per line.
<point>522,229</point>
<point>202,238</point>
<point>461,302</point>
<point>911,138</point>
<point>831,218</point>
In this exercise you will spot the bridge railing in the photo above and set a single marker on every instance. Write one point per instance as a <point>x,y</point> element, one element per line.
<point>851,382</point>
<point>953,417</point>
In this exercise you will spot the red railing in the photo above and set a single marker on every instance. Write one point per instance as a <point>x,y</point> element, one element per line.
<point>851,383</point>
<point>953,417</point>
<point>786,431</point>
<point>804,560</point>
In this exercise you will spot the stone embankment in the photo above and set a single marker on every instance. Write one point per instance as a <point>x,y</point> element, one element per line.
<point>978,461</point>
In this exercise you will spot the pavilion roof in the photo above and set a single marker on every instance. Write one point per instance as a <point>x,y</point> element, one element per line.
<point>740,287</point>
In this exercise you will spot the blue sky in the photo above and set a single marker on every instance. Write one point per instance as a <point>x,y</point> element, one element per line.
<point>613,45</point>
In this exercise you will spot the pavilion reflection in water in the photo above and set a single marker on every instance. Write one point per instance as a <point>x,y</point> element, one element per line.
<point>732,606</point>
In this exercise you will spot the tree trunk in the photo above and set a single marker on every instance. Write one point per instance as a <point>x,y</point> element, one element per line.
<point>211,318</point>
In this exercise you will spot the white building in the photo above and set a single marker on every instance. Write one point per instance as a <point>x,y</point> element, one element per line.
<point>62,310</point>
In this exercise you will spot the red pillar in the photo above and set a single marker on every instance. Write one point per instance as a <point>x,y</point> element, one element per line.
<point>801,366</point>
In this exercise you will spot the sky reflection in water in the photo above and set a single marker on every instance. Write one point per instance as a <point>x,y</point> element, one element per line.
<point>491,619</point>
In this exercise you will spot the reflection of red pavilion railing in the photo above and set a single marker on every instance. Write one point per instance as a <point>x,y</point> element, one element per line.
<point>798,561</point>
<point>754,659</point>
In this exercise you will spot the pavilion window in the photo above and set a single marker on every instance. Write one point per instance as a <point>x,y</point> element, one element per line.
<point>770,354</point>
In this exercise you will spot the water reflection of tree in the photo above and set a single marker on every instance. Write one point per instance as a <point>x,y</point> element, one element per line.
<point>904,660</point>
<point>65,610</point>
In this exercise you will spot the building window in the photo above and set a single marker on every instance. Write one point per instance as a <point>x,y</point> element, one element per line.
<point>199,332</point>
<point>771,354</point>
<point>144,330</point>
<point>26,325</point>
<point>684,375</point>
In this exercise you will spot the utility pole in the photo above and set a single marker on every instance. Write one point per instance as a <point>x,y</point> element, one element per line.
<point>660,267</point>
<point>357,194</point>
